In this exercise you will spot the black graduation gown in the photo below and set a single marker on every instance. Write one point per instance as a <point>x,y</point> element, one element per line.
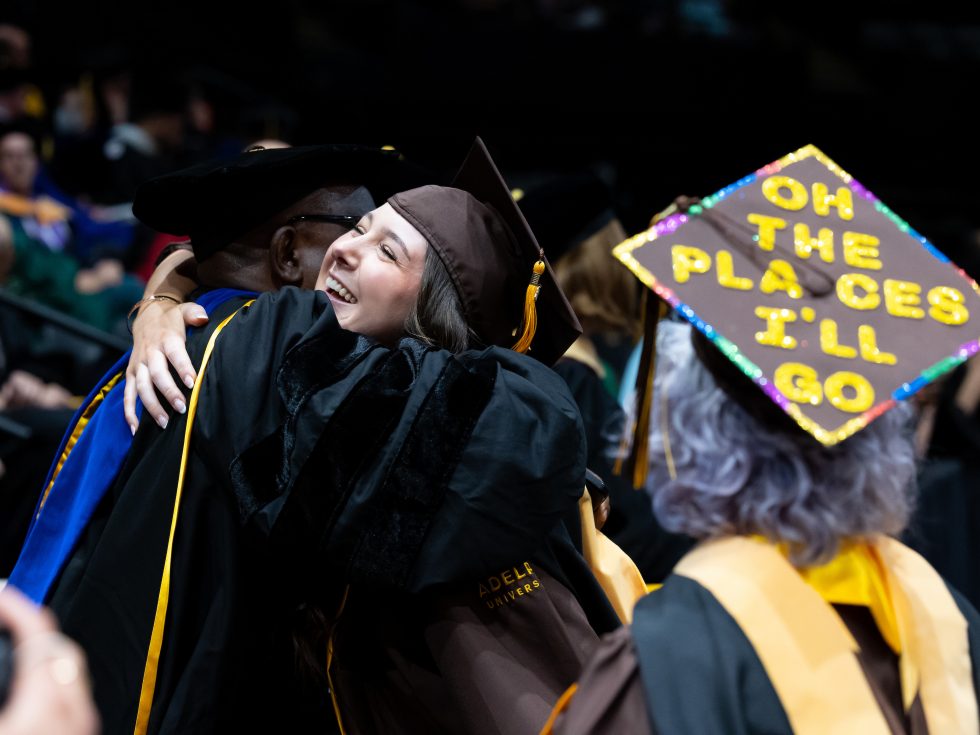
<point>317,458</point>
<point>947,514</point>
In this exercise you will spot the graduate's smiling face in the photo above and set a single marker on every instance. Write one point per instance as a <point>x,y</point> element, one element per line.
<point>373,274</point>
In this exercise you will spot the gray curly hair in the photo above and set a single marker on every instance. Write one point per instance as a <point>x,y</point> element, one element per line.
<point>736,476</point>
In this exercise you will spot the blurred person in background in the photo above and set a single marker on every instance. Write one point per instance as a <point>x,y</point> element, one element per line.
<point>44,264</point>
<point>40,368</point>
<point>574,219</point>
<point>944,529</point>
<point>48,214</point>
<point>149,142</point>
<point>19,96</point>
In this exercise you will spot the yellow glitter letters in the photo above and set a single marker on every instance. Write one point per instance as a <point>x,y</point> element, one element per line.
<point>767,229</point>
<point>864,394</point>
<point>822,201</point>
<point>726,273</point>
<point>845,291</point>
<point>869,347</point>
<point>772,189</point>
<point>829,342</point>
<point>780,276</point>
<point>947,305</point>
<point>806,244</point>
<point>799,383</point>
<point>775,334</point>
<point>861,251</point>
<point>687,260</point>
<point>902,299</point>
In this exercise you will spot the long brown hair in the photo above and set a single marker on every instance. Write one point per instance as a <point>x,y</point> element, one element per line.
<point>602,292</point>
<point>437,317</point>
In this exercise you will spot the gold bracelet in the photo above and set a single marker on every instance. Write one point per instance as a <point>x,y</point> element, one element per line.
<point>135,311</point>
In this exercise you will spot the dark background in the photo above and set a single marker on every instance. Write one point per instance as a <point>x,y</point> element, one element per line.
<point>663,97</point>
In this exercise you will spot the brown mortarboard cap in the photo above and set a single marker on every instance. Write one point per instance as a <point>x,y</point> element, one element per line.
<point>216,201</point>
<point>481,237</point>
<point>822,296</point>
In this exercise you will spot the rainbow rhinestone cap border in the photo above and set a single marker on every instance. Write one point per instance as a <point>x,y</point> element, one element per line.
<point>828,437</point>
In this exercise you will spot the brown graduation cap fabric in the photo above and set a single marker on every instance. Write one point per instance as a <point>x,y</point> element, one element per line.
<point>481,237</point>
<point>818,292</point>
<point>216,201</point>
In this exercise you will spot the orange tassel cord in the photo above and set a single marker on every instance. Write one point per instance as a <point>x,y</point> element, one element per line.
<point>530,324</point>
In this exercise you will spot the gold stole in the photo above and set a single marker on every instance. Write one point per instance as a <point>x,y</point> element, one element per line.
<point>44,209</point>
<point>583,350</point>
<point>809,654</point>
<point>612,567</point>
<point>148,687</point>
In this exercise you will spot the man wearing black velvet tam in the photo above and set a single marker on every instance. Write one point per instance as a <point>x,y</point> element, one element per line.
<point>259,222</point>
<point>395,493</point>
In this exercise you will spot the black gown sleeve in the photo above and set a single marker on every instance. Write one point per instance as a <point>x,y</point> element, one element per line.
<point>240,396</point>
<point>411,467</point>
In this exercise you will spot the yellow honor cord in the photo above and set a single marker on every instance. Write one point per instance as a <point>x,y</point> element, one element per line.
<point>560,706</point>
<point>634,450</point>
<point>76,434</point>
<point>330,653</point>
<point>159,619</point>
<point>530,324</point>
<point>641,438</point>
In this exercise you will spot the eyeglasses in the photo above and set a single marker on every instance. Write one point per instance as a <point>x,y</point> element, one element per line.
<point>346,220</point>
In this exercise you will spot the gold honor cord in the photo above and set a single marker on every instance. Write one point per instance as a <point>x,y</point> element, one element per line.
<point>156,637</point>
<point>76,433</point>
<point>560,706</point>
<point>330,651</point>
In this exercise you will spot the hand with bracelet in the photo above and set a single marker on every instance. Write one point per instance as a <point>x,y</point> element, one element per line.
<point>156,323</point>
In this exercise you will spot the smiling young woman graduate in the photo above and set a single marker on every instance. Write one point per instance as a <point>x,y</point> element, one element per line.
<point>387,504</point>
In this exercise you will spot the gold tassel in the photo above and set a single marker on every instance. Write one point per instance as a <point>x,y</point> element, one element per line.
<point>637,437</point>
<point>530,324</point>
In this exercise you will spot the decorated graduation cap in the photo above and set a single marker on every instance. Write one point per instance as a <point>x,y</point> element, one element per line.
<point>217,201</point>
<point>813,289</point>
<point>505,284</point>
